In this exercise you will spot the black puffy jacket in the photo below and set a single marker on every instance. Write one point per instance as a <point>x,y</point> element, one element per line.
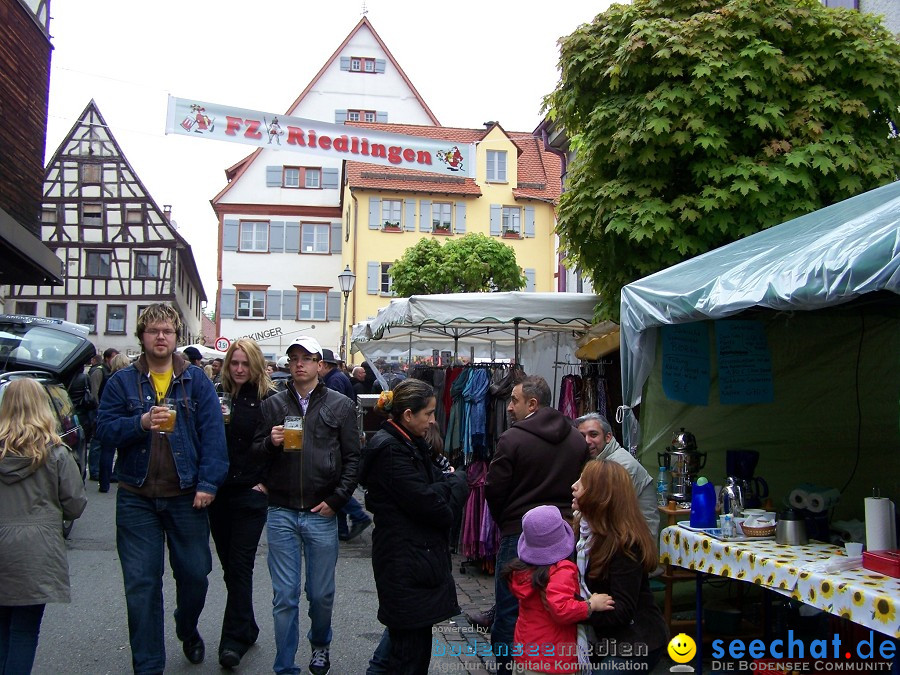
<point>415,506</point>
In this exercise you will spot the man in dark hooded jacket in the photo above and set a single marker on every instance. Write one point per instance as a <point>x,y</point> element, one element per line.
<point>537,460</point>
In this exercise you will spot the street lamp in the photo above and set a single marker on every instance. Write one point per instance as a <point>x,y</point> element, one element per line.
<point>346,279</point>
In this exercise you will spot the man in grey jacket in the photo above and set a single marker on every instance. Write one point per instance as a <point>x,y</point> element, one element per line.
<point>306,488</point>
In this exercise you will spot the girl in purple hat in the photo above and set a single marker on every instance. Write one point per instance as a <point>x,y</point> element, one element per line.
<point>546,583</point>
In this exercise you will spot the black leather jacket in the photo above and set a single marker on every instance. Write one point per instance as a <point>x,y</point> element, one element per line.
<point>325,470</point>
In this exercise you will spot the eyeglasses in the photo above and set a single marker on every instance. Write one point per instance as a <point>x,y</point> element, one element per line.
<point>152,332</point>
<point>303,359</point>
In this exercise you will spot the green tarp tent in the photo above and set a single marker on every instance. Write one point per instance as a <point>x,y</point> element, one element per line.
<point>821,294</point>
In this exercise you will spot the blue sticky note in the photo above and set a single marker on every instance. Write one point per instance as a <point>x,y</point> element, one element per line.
<point>685,363</point>
<point>745,362</point>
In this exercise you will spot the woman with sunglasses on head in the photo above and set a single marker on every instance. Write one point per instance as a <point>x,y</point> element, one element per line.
<point>238,514</point>
<point>414,505</point>
<point>614,554</point>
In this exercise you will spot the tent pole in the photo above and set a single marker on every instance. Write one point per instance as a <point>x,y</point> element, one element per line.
<point>556,369</point>
<point>516,345</point>
<point>455,346</point>
<point>409,354</point>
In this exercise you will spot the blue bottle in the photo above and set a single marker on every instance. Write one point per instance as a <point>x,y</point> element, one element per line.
<point>703,504</point>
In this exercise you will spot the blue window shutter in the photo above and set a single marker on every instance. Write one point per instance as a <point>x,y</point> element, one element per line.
<point>336,238</point>
<point>289,305</point>
<point>379,65</point>
<point>273,304</point>
<point>381,116</point>
<point>226,303</point>
<point>292,237</point>
<point>276,236</point>
<point>330,178</point>
<point>340,116</point>
<point>373,278</point>
<point>374,213</point>
<point>230,232</point>
<point>345,63</point>
<point>496,219</point>
<point>409,215</point>
<point>460,217</point>
<point>333,306</point>
<point>424,216</point>
<point>529,221</point>
<point>529,279</point>
<point>273,176</point>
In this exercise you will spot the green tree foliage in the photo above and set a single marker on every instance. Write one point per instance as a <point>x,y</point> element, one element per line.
<point>698,122</point>
<point>470,264</point>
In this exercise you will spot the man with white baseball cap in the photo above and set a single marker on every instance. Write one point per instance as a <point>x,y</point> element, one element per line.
<point>306,488</point>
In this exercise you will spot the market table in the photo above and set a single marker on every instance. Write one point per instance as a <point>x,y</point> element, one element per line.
<point>860,595</point>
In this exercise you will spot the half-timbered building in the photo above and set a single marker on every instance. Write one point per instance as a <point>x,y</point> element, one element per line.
<point>120,252</point>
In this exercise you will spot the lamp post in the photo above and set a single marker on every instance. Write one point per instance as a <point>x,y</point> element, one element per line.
<point>346,279</point>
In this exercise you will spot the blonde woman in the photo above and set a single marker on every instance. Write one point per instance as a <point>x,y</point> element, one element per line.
<point>40,485</point>
<point>108,452</point>
<point>238,515</point>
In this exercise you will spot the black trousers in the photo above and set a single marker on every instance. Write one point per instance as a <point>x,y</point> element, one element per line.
<point>236,519</point>
<point>410,651</point>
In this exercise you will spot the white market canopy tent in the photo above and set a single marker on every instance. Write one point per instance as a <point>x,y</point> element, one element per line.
<point>535,329</point>
<point>825,363</point>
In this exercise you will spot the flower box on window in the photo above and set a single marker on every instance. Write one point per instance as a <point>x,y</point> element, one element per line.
<point>511,234</point>
<point>442,229</point>
<point>391,227</point>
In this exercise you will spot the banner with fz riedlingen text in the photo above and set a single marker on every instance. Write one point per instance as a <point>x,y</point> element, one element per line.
<point>200,119</point>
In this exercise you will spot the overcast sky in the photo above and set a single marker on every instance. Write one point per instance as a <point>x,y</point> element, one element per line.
<point>471,60</point>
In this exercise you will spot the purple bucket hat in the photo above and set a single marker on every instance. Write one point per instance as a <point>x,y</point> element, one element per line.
<point>546,537</point>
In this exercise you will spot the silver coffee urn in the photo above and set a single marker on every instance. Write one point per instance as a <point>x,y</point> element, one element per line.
<point>684,463</point>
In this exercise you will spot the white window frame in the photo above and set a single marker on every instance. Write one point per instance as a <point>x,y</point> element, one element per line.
<point>254,305</point>
<point>511,220</point>
<point>353,115</point>
<point>496,166</point>
<point>356,64</point>
<point>253,243</point>
<point>389,209</point>
<point>369,116</point>
<point>316,234</point>
<point>291,177</point>
<point>312,178</point>
<point>317,307</point>
<point>386,282</point>
<point>442,216</point>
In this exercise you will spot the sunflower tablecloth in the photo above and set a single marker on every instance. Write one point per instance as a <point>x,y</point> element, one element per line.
<point>860,595</point>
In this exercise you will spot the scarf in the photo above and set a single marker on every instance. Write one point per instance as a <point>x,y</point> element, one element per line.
<point>586,638</point>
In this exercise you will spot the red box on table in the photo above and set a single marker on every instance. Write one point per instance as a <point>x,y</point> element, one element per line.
<point>883,562</point>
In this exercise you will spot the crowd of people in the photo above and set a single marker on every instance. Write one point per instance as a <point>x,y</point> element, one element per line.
<point>218,453</point>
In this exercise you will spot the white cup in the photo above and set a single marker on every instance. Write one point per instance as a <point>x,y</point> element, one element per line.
<point>853,549</point>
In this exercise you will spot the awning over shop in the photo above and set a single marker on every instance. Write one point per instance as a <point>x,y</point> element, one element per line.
<point>26,260</point>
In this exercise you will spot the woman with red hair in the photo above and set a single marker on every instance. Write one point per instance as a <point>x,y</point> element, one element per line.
<point>614,555</point>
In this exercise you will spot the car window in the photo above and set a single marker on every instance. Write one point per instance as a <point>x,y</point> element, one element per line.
<point>35,345</point>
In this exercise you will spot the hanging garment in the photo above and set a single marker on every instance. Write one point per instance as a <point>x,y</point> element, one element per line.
<point>602,398</point>
<point>456,431</point>
<point>472,514</point>
<point>475,396</point>
<point>567,396</point>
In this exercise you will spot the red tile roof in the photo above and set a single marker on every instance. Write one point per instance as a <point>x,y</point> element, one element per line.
<point>538,170</point>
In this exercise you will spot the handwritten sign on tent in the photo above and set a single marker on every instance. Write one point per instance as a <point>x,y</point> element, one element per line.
<point>685,363</point>
<point>745,363</point>
<point>213,121</point>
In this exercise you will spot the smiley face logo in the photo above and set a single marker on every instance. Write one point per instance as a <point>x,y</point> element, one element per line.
<point>682,648</point>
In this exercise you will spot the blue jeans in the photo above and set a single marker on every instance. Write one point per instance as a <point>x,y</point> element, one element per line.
<point>378,664</point>
<point>19,629</point>
<point>94,457</point>
<point>292,536</point>
<point>356,512</point>
<point>143,528</point>
<point>507,605</point>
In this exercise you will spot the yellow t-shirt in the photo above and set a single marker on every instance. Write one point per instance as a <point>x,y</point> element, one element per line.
<point>161,383</point>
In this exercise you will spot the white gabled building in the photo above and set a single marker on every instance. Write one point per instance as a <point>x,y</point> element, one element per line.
<point>281,221</point>
<point>120,252</point>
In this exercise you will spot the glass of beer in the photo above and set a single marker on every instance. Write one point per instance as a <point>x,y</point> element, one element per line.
<point>225,402</point>
<point>168,426</point>
<point>293,434</point>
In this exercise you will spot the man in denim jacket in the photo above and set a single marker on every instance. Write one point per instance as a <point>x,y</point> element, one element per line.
<point>166,481</point>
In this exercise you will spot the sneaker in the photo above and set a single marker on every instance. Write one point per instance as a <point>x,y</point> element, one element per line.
<point>320,664</point>
<point>357,528</point>
<point>482,620</point>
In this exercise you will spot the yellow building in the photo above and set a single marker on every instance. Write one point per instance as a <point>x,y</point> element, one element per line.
<point>387,210</point>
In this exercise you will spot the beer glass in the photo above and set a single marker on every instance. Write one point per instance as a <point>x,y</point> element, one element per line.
<point>293,433</point>
<point>169,425</point>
